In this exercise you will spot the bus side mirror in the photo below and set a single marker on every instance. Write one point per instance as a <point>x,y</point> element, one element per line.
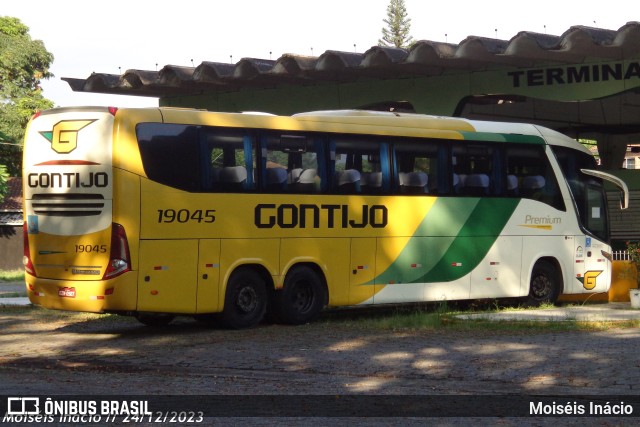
<point>624,190</point>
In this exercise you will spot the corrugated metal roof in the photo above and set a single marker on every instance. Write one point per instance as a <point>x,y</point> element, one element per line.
<point>425,58</point>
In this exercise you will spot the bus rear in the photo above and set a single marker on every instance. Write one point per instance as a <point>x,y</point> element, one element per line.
<point>73,251</point>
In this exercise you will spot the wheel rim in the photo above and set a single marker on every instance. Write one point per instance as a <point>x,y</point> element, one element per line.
<point>247,299</point>
<point>302,296</point>
<point>541,287</point>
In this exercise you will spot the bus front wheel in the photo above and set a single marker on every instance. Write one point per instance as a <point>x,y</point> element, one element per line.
<point>302,297</point>
<point>245,301</point>
<point>545,284</point>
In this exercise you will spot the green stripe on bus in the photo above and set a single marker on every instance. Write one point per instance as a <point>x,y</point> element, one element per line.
<point>502,137</point>
<point>474,240</point>
<point>451,241</point>
<point>431,240</point>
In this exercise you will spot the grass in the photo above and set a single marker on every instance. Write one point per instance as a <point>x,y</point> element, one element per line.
<point>443,316</point>
<point>426,317</point>
<point>11,275</point>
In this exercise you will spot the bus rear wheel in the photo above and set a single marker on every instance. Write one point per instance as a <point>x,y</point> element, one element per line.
<point>545,284</point>
<point>302,297</point>
<point>245,301</point>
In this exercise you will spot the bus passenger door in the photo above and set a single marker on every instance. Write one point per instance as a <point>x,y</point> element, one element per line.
<point>363,269</point>
<point>208,300</point>
<point>167,276</point>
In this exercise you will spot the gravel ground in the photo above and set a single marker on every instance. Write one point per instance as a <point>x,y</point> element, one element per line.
<point>54,353</point>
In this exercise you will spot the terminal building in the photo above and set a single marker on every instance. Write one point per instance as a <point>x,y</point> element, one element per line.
<point>584,83</point>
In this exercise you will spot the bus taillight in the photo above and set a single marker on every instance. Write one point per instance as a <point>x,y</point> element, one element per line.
<point>119,259</point>
<point>26,259</point>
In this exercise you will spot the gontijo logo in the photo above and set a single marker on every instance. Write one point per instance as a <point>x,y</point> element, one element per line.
<point>64,135</point>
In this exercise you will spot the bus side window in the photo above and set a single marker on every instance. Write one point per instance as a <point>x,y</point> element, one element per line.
<point>360,165</point>
<point>231,157</point>
<point>418,171</point>
<point>477,170</point>
<point>289,163</point>
<point>530,175</point>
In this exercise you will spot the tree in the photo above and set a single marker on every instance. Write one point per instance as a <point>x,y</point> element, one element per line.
<point>23,64</point>
<point>398,25</point>
<point>3,182</point>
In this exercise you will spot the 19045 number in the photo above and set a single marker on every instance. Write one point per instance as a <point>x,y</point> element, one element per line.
<point>185,215</point>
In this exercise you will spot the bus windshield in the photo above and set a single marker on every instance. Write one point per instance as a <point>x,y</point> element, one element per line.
<point>588,191</point>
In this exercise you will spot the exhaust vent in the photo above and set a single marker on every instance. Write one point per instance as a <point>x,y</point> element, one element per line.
<point>68,205</point>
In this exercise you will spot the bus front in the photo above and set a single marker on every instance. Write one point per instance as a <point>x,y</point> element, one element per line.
<point>74,254</point>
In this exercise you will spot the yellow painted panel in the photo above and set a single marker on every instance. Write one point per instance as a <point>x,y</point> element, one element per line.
<point>167,276</point>
<point>83,257</point>
<point>363,270</point>
<point>208,300</point>
<point>624,276</point>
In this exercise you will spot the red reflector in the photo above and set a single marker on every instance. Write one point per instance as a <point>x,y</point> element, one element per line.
<point>26,259</point>
<point>154,292</point>
<point>109,291</point>
<point>113,110</point>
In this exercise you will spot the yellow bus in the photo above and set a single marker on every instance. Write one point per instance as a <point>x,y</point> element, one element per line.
<point>159,212</point>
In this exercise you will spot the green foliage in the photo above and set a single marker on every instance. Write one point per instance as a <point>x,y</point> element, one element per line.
<point>11,275</point>
<point>398,26</point>
<point>23,64</point>
<point>3,182</point>
<point>633,250</point>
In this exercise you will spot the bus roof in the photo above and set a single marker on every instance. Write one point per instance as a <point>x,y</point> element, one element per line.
<point>363,121</point>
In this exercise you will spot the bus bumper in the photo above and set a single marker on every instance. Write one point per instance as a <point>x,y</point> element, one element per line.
<point>118,294</point>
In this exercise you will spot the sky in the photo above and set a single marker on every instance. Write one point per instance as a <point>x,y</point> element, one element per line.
<point>117,35</point>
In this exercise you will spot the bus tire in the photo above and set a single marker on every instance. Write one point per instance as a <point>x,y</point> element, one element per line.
<point>545,284</point>
<point>245,300</point>
<point>154,319</point>
<point>302,297</point>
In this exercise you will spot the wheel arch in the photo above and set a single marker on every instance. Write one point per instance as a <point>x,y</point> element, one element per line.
<point>553,261</point>
<point>258,268</point>
<point>546,282</point>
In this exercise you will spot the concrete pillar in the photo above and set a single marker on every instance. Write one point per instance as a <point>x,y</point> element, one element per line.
<point>612,149</point>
